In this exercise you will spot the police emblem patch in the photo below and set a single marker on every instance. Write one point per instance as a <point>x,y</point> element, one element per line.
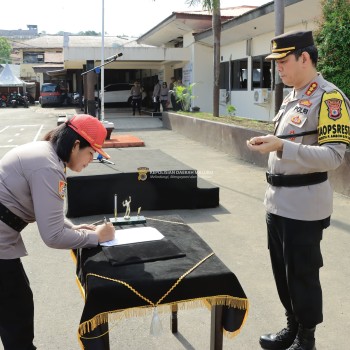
<point>143,171</point>
<point>334,108</point>
<point>62,189</point>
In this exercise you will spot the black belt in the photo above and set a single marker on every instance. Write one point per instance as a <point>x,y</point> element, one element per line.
<point>11,219</point>
<point>296,180</point>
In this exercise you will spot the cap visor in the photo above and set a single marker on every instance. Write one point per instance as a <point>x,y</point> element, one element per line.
<point>277,56</point>
<point>102,152</point>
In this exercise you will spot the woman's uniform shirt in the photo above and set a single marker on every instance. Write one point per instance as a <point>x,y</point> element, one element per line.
<point>33,186</point>
<point>164,91</point>
<point>318,106</point>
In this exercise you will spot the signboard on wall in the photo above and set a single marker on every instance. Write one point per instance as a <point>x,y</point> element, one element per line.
<point>187,74</point>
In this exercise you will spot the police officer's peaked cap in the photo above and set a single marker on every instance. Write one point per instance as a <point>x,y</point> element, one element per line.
<point>286,43</point>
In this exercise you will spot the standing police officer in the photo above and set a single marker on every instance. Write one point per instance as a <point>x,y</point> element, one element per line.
<point>311,135</point>
<point>136,97</point>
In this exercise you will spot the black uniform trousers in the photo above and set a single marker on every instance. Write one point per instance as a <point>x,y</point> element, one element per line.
<point>296,259</point>
<point>136,104</point>
<point>16,307</point>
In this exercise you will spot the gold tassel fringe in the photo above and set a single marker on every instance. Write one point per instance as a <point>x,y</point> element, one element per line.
<point>117,315</point>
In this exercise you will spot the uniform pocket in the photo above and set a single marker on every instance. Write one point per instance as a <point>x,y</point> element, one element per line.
<point>307,259</point>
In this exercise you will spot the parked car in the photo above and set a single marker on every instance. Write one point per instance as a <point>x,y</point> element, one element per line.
<point>50,94</point>
<point>117,93</point>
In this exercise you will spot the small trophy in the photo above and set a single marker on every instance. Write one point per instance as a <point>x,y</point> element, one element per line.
<point>127,219</point>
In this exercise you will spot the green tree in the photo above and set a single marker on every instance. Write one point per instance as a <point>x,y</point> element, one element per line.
<point>214,7</point>
<point>333,42</point>
<point>5,50</point>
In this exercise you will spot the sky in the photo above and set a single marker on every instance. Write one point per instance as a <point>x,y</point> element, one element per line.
<point>121,17</point>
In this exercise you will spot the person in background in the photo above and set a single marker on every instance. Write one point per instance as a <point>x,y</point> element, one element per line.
<point>156,96</point>
<point>311,137</point>
<point>172,93</point>
<point>178,103</point>
<point>136,97</point>
<point>33,188</point>
<point>164,95</point>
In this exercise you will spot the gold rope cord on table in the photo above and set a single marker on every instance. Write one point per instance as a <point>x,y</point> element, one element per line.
<point>225,300</point>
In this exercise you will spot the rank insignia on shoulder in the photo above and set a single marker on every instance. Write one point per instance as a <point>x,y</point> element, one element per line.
<point>311,89</point>
<point>62,189</point>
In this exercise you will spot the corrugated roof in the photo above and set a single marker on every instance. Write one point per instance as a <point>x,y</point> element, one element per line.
<point>55,41</point>
<point>225,12</point>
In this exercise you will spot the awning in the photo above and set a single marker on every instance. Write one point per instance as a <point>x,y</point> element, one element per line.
<point>46,68</point>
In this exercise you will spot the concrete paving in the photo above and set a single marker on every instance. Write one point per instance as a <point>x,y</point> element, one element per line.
<point>235,231</point>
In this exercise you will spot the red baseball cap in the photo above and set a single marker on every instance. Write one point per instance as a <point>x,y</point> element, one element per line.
<point>91,129</point>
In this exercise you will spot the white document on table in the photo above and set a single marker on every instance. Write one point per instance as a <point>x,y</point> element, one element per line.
<point>134,235</point>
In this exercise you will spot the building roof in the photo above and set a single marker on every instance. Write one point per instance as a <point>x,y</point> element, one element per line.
<point>180,23</point>
<point>262,20</point>
<point>59,41</point>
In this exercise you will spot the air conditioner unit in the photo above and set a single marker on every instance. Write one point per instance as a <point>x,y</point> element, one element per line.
<point>286,91</point>
<point>261,96</point>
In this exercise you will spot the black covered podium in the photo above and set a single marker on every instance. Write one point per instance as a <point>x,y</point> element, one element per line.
<point>153,179</point>
<point>197,276</point>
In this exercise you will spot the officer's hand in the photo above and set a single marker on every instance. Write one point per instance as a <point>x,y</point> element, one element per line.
<point>265,144</point>
<point>105,232</point>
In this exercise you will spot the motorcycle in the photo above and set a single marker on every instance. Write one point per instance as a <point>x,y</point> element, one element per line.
<point>3,100</point>
<point>16,99</point>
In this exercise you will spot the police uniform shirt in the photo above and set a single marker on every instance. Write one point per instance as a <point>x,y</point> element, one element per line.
<point>164,93</point>
<point>32,186</point>
<point>136,92</point>
<point>300,112</point>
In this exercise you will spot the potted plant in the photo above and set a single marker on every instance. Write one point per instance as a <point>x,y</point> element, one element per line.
<point>184,95</point>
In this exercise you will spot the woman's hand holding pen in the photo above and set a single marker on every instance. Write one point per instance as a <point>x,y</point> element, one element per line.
<point>105,232</point>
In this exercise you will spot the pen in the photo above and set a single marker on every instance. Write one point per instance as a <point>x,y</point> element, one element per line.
<point>105,220</point>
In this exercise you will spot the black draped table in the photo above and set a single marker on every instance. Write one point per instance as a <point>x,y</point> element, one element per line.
<point>129,280</point>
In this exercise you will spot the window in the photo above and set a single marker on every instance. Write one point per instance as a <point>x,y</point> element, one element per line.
<point>261,73</point>
<point>238,75</point>
<point>33,57</point>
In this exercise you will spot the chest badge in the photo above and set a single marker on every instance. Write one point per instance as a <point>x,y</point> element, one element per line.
<point>297,120</point>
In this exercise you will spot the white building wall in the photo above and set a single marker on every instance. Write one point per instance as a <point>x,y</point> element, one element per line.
<point>244,100</point>
<point>202,74</point>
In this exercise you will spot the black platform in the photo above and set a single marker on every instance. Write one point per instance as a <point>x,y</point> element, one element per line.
<point>153,179</point>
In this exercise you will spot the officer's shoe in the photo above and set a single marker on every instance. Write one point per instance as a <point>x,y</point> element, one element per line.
<point>283,339</point>
<point>305,339</point>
